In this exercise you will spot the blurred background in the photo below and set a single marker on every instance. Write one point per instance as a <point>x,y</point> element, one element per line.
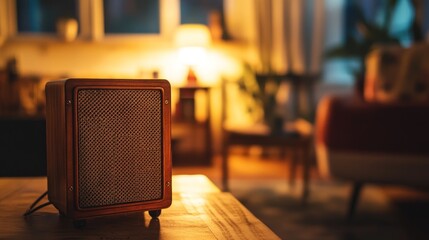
<point>256,64</point>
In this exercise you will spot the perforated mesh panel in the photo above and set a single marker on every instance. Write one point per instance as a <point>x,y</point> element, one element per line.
<point>119,146</point>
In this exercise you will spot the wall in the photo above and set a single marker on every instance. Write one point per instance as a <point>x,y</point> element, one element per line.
<point>128,58</point>
<point>116,58</point>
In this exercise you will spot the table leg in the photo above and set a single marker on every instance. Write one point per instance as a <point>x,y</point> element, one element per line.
<point>224,166</point>
<point>293,161</point>
<point>306,172</point>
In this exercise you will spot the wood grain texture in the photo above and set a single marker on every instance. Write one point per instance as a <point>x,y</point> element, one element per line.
<point>199,211</point>
<point>56,143</point>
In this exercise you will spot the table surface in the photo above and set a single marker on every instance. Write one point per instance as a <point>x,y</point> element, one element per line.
<point>199,211</point>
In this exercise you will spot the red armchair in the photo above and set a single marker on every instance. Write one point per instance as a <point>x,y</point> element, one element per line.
<point>363,142</point>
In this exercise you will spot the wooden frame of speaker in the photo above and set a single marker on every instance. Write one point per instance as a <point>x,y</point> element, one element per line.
<point>63,146</point>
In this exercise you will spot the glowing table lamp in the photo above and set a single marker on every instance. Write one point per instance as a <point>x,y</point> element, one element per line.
<point>192,41</point>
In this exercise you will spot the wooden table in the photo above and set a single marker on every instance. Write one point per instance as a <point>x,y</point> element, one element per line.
<point>199,211</point>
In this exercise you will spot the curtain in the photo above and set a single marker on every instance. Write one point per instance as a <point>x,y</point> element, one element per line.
<point>287,36</point>
<point>290,35</point>
<point>290,39</point>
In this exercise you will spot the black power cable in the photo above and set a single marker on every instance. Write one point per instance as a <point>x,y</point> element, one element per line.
<point>33,207</point>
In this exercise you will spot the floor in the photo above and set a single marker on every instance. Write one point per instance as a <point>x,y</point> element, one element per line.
<point>254,165</point>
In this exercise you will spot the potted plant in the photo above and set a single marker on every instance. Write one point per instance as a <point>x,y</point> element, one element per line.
<point>369,34</point>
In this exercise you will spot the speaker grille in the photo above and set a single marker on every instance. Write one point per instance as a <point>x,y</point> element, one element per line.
<point>119,146</point>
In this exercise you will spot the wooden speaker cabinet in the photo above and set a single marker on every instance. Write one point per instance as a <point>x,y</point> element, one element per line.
<point>108,146</point>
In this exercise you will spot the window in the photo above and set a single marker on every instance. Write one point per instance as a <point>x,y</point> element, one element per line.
<point>131,16</point>
<point>40,16</point>
<point>98,18</point>
<point>122,19</point>
<point>198,11</point>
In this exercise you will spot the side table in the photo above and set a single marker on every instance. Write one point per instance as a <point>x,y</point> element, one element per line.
<point>296,136</point>
<point>192,138</point>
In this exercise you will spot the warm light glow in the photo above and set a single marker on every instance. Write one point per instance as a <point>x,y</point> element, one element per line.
<point>192,55</point>
<point>192,41</point>
<point>192,35</point>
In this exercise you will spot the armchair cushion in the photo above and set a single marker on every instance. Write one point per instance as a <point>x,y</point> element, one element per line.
<point>373,142</point>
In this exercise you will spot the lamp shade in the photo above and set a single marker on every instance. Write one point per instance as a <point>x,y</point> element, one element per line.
<point>192,35</point>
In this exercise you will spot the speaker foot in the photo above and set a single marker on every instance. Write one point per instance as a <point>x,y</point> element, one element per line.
<point>155,213</point>
<point>79,223</point>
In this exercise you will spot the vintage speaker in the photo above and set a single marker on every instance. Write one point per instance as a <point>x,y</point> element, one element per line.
<point>108,146</point>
